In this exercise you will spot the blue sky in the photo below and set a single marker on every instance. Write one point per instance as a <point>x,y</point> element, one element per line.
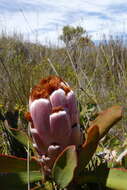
<point>43,20</point>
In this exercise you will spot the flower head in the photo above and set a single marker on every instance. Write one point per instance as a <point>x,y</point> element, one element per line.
<point>54,118</point>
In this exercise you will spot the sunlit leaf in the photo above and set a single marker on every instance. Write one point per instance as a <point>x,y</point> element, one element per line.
<point>107,119</point>
<point>98,128</point>
<point>64,167</point>
<point>89,147</point>
<point>47,186</point>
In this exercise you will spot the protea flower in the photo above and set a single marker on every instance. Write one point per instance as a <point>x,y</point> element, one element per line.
<point>54,118</point>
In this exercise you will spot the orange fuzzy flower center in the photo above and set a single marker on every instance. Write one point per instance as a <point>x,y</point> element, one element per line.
<point>57,109</point>
<point>28,116</point>
<point>44,89</point>
<point>48,85</point>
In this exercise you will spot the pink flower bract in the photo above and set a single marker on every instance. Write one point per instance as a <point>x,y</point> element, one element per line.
<point>54,118</point>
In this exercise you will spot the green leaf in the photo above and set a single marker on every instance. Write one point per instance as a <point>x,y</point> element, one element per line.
<point>88,148</point>
<point>18,181</point>
<point>22,137</point>
<point>117,179</point>
<point>114,178</point>
<point>98,128</point>
<point>106,119</point>
<point>47,186</point>
<point>65,164</point>
<point>15,164</point>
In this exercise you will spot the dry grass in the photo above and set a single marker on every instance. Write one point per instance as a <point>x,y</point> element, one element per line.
<point>98,73</point>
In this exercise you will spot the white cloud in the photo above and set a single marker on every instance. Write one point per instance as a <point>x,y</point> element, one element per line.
<point>46,19</point>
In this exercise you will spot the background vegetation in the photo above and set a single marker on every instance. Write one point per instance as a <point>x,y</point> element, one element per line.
<point>96,72</point>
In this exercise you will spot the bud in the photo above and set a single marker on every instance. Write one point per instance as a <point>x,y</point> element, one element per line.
<point>54,118</point>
